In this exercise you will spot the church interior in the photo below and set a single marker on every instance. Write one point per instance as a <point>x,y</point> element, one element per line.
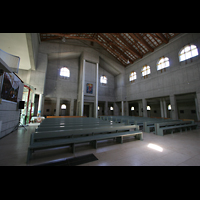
<point>101,78</point>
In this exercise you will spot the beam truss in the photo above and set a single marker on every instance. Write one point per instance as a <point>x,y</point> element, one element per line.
<point>125,47</point>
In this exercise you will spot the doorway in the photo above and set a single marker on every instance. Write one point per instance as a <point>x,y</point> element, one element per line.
<point>88,109</point>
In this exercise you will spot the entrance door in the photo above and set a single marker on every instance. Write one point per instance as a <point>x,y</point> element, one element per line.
<point>86,110</point>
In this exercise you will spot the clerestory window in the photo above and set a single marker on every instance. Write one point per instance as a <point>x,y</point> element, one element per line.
<point>188,52</point>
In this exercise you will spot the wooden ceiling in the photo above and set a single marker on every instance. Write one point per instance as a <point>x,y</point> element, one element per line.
<point>125,47</point>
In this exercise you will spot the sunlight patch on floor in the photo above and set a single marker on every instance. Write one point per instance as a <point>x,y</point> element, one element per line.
<point>155,147</point>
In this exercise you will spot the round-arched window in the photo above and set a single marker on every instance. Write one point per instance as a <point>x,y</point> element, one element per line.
<point>64,71</point>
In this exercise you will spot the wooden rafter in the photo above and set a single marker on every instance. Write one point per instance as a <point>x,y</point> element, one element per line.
<point>162,37</point>
<point>139,38</point>
<point>113,46</point>
<point>125,47</point>
<point>130,48</point>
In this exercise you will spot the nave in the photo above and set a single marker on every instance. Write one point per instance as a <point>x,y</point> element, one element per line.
<point>179,149</point>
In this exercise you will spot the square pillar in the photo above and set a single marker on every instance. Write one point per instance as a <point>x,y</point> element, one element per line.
<point>71,107</point>
<point>164,109</point>
<point>174,112</point>
<point>106,108</point>
<point>197,104</point>
<point>96,93</point>
<point>140,108</point>
<point>161,108</point>
<point>144,105</point>
<point>57,106</point>
<point>122,107</point>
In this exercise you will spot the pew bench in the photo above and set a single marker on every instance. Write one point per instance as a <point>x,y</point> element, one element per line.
<point>77,132</point>
<point>72,141</point>
<point>149,126</point>
<point>160,128</point>
<point>66,127</point>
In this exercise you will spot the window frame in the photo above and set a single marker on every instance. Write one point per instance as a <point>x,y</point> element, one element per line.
<point>184,53</point>
<point>148,68</point>
<point>63,76</point>
<point>130,76</point>
<point>105,77</point>
<point>165,61</point>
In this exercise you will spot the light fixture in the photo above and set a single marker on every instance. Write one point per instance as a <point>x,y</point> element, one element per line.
<point>132,108</point>
<point>148,108</point>
<point>111,108</point>
<point>98,107</point>
<point>169,107</point>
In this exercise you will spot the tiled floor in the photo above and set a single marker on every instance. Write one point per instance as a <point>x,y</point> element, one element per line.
<point>182,149</point>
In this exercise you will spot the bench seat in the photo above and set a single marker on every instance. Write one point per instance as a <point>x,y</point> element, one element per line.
<point>58,134</point>
<point>160,130</point>
<point>72,141</point>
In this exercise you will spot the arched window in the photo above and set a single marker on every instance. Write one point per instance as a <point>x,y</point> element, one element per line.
<point>163,62</point>
<point>64,71</point>
<point>187,52</point>
<point>132,76</point>
<point>146,70</point>
<point>63,107</point>
<point>103,80</point>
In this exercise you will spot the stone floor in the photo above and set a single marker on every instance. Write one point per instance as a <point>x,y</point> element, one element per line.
<point>179,149</point>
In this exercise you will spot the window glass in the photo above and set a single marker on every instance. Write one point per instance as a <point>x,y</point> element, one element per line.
<point>103,79</point>
<point>163,62</point>
<point>188,52</point>
<point>64,71</point>
<point>132,76</point>
<point>146,70</point>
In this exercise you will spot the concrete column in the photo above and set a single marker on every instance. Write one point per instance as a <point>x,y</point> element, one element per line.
<point>126,108</point>
<point>106,108</point>
<point>57,106</point>
<point>161,108</point>
<point>96,93</point>
<point>140,109</point>
<point>174,112</point>
<point>144,105</point>
<point>122,107</point>
<point>40,105</point>
<point>71,107</point>
<point>115,113</point>
<point>164,108</point>
<point>197,104</point>
<point>82,89</point>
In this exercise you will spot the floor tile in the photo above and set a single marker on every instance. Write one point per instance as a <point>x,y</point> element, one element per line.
<point>179,149</point>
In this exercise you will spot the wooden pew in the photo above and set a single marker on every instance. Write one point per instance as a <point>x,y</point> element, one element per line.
<point>45,140</point>
<point>160,128</point>
<point>77,132</point>
<point>65,127</point>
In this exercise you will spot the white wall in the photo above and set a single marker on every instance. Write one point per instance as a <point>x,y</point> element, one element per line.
<point>9,113</point>
<point>179,78</point>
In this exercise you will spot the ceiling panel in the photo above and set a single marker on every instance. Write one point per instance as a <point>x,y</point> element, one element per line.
<point>125,47</point>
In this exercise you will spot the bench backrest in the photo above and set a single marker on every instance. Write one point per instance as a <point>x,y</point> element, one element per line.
<point>162,124</point>
<point>81,131</point>
<point>51,128</point>
<point>73,123</point>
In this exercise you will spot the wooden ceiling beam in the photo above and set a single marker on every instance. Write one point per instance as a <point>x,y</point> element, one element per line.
<point>162,37</point>
<point>141,39</point>
<point>119,52</point>
<point>106,46</point>
<point>73,37</point>
<point>130,48</point>
<point>117,44</point>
